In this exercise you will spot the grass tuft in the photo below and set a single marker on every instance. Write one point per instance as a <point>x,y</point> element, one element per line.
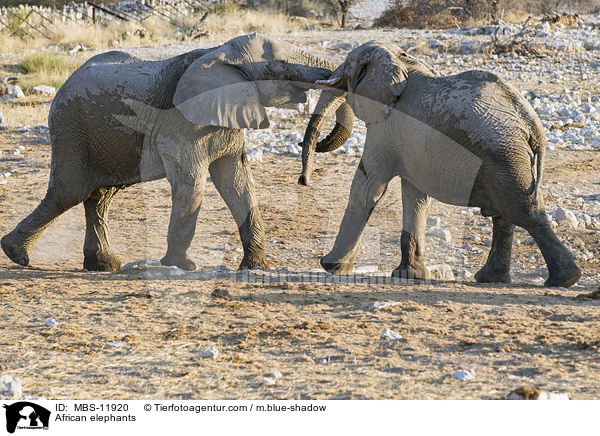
<point>46,69</point>
<point>48,64</point>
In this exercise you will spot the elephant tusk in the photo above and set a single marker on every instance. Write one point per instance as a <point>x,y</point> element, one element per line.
<point>329,82</point>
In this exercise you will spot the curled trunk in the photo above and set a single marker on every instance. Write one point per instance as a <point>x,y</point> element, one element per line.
<point>329,102</point>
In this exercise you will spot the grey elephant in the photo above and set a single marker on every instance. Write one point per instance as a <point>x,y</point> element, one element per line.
<point>469,139</point>
<point>119,120</point>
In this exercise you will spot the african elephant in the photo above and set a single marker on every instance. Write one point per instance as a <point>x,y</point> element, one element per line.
<point>469,139</point>
<point>120,120</point>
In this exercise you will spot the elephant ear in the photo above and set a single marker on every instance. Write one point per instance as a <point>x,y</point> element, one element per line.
<point>378,82</point>
<point>214,92</point>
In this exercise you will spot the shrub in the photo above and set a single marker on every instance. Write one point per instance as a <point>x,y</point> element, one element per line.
<point>451,13</point>
<point>418,14</point>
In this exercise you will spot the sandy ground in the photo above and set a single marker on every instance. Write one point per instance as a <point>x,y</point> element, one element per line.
<point>134,335</point>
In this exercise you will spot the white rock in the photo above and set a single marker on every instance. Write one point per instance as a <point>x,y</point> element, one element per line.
<point>175,271</point>
<point>12,91</point>
<point>464,273</point>
<point>565,217</point>
<point>44,90</point>
<point>390,335</point>
<point>441,272</point>
<point>254,155</point>
<point>293,149</point>
<point>375,305</point>
<point>441,234</point>
<point>208,353</point>
<point>10,387</point>
<point>276,374</point>
<point>17,150</point>
<point>118,344</point>
<point>464,375</point>
<point>539,280</point>
<point>51,322</point>
<point>584,219</point>
<point>268,381</point>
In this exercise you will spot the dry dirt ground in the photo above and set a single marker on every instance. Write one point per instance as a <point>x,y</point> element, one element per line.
<point>129,335</point>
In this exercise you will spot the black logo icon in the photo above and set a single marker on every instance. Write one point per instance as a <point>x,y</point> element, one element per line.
<point>26,415</point>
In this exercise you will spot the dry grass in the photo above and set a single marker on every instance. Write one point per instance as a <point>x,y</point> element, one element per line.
<point>98,36</point>
<point>226,23</point>
<point>234,22</point>
<point>31,110</point>
<point>13,44</point>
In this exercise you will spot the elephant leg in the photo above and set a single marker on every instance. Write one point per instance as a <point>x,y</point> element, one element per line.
<point>515,200</point>
<point>497,267</point>
<point>415,208</point>
<point>368,186</point>
<point>187,190</point>
<point>97,255</point>
<point>232,178</point>
<point>562,270</point>
<point>17,244</point>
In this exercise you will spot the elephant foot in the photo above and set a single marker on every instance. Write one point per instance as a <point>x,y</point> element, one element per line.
<point>564,277</point>
<point>182,262</point>
<point>414,272</point>
<point>102,261</point>
<point>337,267</point>
<point>491,274</point>
<point>253,261</point>
<point>15,252</point>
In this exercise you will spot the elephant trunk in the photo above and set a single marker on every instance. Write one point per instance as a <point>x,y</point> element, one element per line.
<point>344,119</point>
<point>317,62</point>
<point>329,102</point>
<point>305,68</point>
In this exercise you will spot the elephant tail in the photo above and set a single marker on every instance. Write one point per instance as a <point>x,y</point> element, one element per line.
<point>538,154</point>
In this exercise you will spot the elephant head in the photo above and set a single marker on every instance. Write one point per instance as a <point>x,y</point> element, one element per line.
<point>373,76</point>
<point>231,85</point>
